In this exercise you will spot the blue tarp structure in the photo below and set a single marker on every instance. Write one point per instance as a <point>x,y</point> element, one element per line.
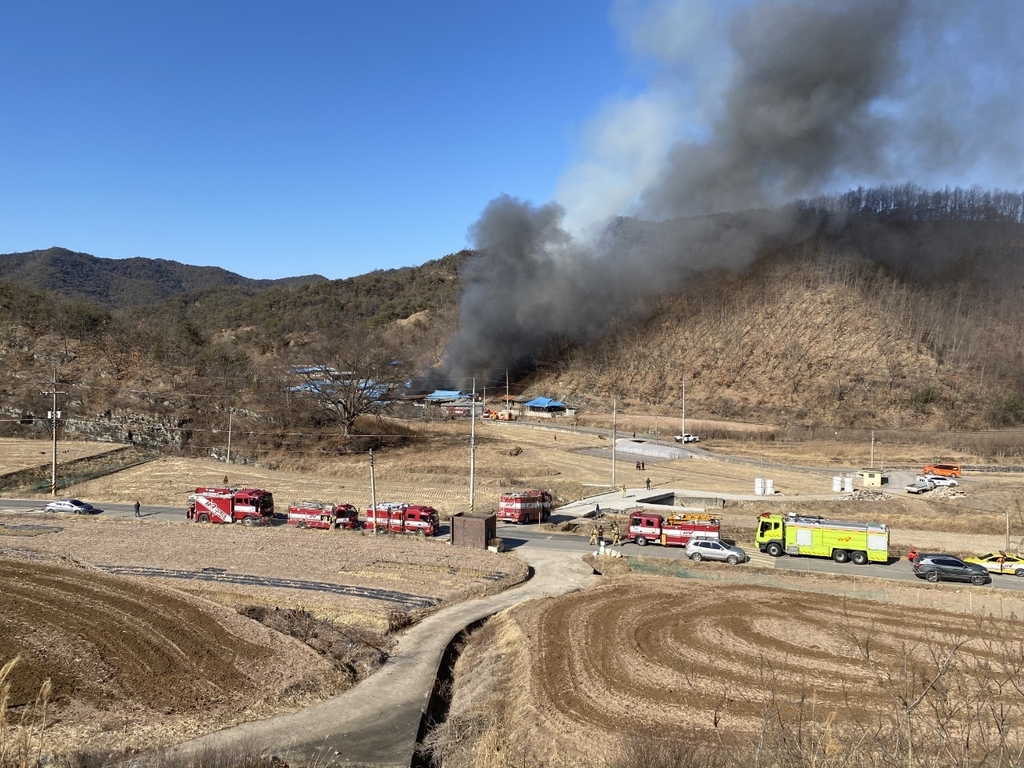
<point>444,396</point>
<point>545,404</point>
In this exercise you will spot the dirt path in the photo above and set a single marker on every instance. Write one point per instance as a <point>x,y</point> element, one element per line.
<point>376,722</point>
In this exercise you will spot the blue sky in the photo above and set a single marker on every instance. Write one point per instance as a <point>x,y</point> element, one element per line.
<point>276,139</point>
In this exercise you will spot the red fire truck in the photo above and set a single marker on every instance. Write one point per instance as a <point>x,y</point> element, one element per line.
<point>250,506</point>
<point>671,531</point>
<point>525,506</point>
<point>392,517</point>
<point>319,514</point>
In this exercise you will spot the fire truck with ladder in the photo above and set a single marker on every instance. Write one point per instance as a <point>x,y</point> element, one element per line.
<point>249,506</point>
<point>675,530</point>
<point>795,534</point>
<point>319,514</point>
<point>531,506</point>
<point>392,517</point>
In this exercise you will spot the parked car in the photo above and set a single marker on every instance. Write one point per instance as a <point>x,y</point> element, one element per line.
<point>713,549</point>
<point>73,506</point>
<point>999,562</point>
<point>920,485</point>
<point>686,438</point>
<point>938,480</point>
<point>942,567</point>
<point>949,470</point>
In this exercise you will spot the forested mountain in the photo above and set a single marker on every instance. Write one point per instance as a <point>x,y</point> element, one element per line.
<point>881,308</point>
<point>121,283</point>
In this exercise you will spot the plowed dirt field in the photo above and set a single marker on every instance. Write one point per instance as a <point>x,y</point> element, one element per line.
<point>163,654</point>
<point>643,659</point>
<point>128,660</point>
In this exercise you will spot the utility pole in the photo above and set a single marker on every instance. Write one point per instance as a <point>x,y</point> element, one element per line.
<point>231,414</point>
<point>682,423</point>
<point>472,448</point>
<point>872,465</point>
<point>54,415</point>
<point>614,404</point>
<point>373,495</point>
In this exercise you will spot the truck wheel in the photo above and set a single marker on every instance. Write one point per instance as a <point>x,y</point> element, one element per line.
<point>697,557</point>
<point>641,541</point>
<point>203,518</point>
<point>302,523</point>
<point>774,549</point>
<point>732,559</point>
<point>248,522</point>
<point>977,580</point>
<point>859,558</point>
<point>840,555</point>
<point>932,576</point>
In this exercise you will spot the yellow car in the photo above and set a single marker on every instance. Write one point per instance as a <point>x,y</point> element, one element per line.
<point>999,562</point>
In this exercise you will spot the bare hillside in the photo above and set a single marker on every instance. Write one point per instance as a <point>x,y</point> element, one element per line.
<point>815,339</point>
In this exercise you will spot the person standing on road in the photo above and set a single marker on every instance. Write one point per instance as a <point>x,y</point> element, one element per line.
<point>616,535</point>
<point>593,536</point>
<point>137,508</point>
<point>648,483</point>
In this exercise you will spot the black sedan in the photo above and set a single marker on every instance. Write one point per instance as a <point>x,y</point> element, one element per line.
<point>942,567</point>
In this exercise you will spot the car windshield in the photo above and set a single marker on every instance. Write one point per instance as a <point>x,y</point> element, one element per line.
<point>76,502</point>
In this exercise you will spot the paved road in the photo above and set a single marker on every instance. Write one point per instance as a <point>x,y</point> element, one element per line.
<point>522,539</point>
<point>108,508</point>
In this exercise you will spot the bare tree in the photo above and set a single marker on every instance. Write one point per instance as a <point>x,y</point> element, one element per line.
<point>349,377</point>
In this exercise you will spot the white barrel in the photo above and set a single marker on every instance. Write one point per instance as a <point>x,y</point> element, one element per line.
<point>837,484</point>
<point>759,486</point>
<point>848,484</point>
<point>769,487</point>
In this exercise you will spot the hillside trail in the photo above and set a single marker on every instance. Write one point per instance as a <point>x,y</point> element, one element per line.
<point>376,722</point>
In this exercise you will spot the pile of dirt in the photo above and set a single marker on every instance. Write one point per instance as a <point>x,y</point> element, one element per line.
<point>866,494</point>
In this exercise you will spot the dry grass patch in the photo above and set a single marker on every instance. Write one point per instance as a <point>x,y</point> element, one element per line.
<point>17,454</point>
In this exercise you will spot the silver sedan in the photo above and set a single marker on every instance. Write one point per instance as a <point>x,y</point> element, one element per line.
<point>73,506</point>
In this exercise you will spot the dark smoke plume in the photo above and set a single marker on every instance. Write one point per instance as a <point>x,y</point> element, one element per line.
<point>818,95</point>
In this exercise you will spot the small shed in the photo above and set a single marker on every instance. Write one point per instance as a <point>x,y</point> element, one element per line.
<point>473,530</point>
<point>871,478</point>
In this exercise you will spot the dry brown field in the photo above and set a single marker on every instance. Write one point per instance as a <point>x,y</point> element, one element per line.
<point>17,454</point>
<point>133,664</point>
<point>582,680</point>
<point>138,662</point>
<point>607,639</point>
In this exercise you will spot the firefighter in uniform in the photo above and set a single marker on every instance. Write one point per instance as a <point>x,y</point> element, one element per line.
<point>593,536</point>
<point>616,536</point>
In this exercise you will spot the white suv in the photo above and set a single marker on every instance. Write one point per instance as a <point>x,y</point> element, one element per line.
<point>941,480</point>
